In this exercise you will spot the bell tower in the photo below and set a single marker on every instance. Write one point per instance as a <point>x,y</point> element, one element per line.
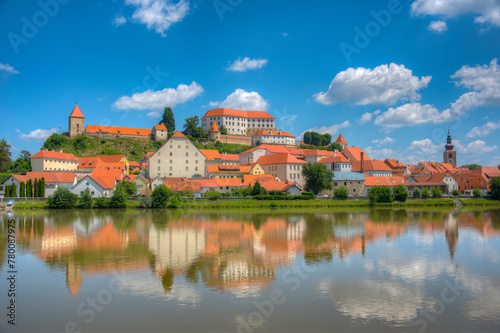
<point>76,122</point>
<point>449,155</point>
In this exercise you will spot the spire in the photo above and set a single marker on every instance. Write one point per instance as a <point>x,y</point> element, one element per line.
<point>77,113</point>
<point>340,140</point>
<point>448,145</point>
<point>214,128</point>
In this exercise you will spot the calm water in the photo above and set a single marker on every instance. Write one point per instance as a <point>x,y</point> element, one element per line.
<point>312,271</point>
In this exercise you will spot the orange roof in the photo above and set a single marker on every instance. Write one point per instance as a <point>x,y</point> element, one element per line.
<point>160,127</point>
<point>210,154</point>
<point>21,178</point>
<point>317,152</point>
<point>117,130</point>
<point>112,173</point>
<point>251,179</point>
<point>237,113</point>
<point>279,159</point>
<point>340,140</point>
<point>54,155</point>
<point>354,153</point>
<point>370,166</point>
<point>148,154</point>
<point>384,181</point>
<point>275,185</point>
<point>111,158</point>
<point>228,168</point>
<point>228,181</point>
<point>489,172</point>
<point>105,182</point>
<point>134,164</point>
<point>77,113</point>
<point>214,127</point>
<point>393,164</point>
<point>207,182</point>
<point>183,185</point>
<point>337,159</point>
<point>230,157</point>
<point>53,177</point>
<point>88,162</point>
<point>270,148</point>
<point>272,133</point>
<point>178,134</point>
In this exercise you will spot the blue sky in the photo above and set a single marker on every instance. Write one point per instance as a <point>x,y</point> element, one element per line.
<point>391,76</point>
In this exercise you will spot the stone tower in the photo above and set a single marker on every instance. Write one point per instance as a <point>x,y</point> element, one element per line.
<point>213,132</point>
<point>341,141</point>
<point>449,155</point>
<point>76,122</point>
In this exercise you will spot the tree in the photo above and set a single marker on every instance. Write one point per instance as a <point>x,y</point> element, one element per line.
<point>477,193</point>
<point>380,194</point>
<point>191,127</point>
<point>22,164</point>
<point>400,193</point>
<point>426,193</point>
<point>41,183</point>
<point>326,139</point>
<point>62,198</point>
<point>333,146</point>
<point>416,193</point>
<point>119,198</point>
<point>168,119</point>
<point>176,201</point>
<point>495,188</point>
<point>316,139</point>
<point>36,188</point>
<point>13,190</point>
<point>258,189</point>
<point>161,194</point>
<point>129,187</point>
<point>318,177</point>
<point>341,192</point>
<point>473,166</point>
<point>6,190</point>
<point>455,193</point>
<point>55,141</point>
<point>223,131</point>
<point>436,192</point>
<point>22,190</point>
<point>86,200</point>
<point>29,188</point>
<point>5,161</point>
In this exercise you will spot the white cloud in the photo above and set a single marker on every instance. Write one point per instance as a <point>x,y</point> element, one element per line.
<point>485,11</point>
<point>477,147</point>
<point>407,115</point>
<point>243,100</point>
<point>159,15</point>
<point>438,26</point>
<point>8,69</point>
<point>484,130</point>
<point>154,114</point>
<point>286,122</point>
<point>380,154</point>
<point>247,64</point>
<point>385,141</point>
<point>332,130</point>
<point>495,161</point>
<point>119,20</point>
<point>424,146</point>
<point>383,85</point>
<point>36,135</point>
<point>367,117</point>
<point>159,99</point>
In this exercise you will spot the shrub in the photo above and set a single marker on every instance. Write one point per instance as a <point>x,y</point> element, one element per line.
<point>129,187</point>
<point>102,202</point>
<point>13,190</point>
<point>212,194</point>
<point>276,192</point>
<point>455,192</point>
<point>495,188</point>
<point>146,201</point>
<point>476,193</point>
<point>258,189</point>
<point>341,192</point>
<point>7,191</point>
<point>22,190</point>
<point>188,194</point>
<point>380,194</point>
<point>176,201</point>
<point>119,198</point>
<point>426,193</point>
<point>436,192</point>
<point>161,194</point>
<point>86,200</point>
<point>62,198</point>
<point>400,193</point>
<point>416,193</point>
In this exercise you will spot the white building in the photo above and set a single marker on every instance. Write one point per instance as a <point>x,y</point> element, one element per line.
<point>272,137</point>
<point>97,185</point>
<point>238,121</point>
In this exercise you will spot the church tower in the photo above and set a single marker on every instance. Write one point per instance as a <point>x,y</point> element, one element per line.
<point>449,155</point>
<point>76,122</point>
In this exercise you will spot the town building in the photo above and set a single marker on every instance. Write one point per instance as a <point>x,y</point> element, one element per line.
<point>341,141</point>
<point>339,163</point>
<point>449,155</point>
<point>354,182</point>
<point>141,182</point>
<point>76,122</point>
<point>53,180</point>
<point>98,185</point>
<point>52,161</point>
<point>315,155</point>
<point>253,154</point>
<point>382,181</point>
<point>238,121</point>
<point>273,137</point>
<point>283,166</point>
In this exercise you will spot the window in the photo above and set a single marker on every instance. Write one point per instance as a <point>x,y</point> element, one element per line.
<point>92,192</point>
<point>196,161</point>
<point>87,183</point>
<point>158,176</point>
<point>170,161</point>
<point>178,146</point>
<point>170,153</point>
<point>170,168</point>
<point>159,153</point>
<point>158,168</point>
<point>159,161</point>
<point>187,161</point>
<point>170,146</point>
<point>187,168</point>
<point>196,154</point>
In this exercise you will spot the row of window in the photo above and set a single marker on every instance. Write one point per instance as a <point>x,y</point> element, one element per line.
<point>171,161</point>
<point>46,160</point>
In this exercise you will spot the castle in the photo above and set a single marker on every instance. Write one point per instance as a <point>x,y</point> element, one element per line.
<point>77,127</point>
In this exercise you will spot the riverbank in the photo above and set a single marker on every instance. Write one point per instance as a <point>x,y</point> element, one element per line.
<point>314,203</point>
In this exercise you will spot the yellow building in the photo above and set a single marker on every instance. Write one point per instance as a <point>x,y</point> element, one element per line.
<point>46,160</point>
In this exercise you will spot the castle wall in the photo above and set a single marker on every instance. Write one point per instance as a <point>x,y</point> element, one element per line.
<point>236,139</point>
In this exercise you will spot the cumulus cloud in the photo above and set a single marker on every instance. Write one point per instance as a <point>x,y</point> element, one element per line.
<point>438,26</point>
<point>158,15</point>
<point>6,68</point>
<point>287,121</point>
<point>332,130</point>
<point>484,130</point>
<point>385,141</point>
<point>119,20</point>
<point>407,115</point>
<point>243,100</point>
<point>485,11</point>
<point>477,147</point>
<point>383,85</point>
<point>246,64</point>
<point>424,146</point>
<point>151,99</point>
<point>154,114</point>
<point>36,135</point>
<point>367,117</point>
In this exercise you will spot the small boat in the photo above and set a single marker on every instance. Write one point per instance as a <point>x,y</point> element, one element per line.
<point>9,205</point>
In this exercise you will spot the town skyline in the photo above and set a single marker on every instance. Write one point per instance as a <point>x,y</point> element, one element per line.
<point>390,77</point>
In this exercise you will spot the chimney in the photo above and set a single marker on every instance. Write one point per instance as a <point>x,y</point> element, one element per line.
<point>362,162</point>
<point>60,150</point>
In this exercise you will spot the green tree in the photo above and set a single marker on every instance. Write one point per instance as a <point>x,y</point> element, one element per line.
<point>130,188</point>
<point>473,166</point>
<point>380,194</point>
<point>191,127</point>
<point>161,195</point>
<point>62,198</point>
<point>326,139</point>
<point>258,189</point>
<point>102,202</point>
<point>5,160</point>
<point>41,183</point>
<point>176,201</point>
<point>168,119</point>
<point>119,198</point>
<point>477,193</point>
<point>22,190</point>
<point>341,192</point>
<point>495,188</point>
<point>55,141</point>
<point>36,188</point>
<point>455,193</point>
<point>436,192</point>
<point>13,190</point>
<point>86,200</point>
<point>400,193</point>
<point>307,138</point>
<point>29,188</point>
<point>318,177</point>
<point>333,146</point>
<point>22,164</point>
<point>223,131</point>
<point>187,194</point>
<point>426,193</point>
<point>6,190</point>
<point>212,194</point>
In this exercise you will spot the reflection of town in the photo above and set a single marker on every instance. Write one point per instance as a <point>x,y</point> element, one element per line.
<point>225,252</point>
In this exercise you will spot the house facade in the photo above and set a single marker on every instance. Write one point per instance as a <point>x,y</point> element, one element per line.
<point>52,161</point>
<point>99,186</point>
<point>238,121</point>
<point>272,137</point>
<point>283,166</point>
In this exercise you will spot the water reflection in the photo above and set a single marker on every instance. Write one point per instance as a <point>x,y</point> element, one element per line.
<point>171,254</point>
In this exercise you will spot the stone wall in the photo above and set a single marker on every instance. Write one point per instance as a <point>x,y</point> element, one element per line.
<point>236,139</point>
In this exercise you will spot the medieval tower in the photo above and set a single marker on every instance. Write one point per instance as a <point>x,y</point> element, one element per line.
<point>76,122</point>
<point>449,155</point>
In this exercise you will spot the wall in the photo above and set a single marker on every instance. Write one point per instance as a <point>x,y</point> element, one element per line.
<point>354,187</point>
<point>76,126</point>
<point>236,139</point>
<point>50,164</point>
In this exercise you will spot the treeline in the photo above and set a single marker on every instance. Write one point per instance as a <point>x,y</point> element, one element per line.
<point>29,189</point>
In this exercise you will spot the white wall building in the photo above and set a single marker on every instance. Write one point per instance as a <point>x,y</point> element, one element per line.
<point>272,137</point>
<point>238,121</point>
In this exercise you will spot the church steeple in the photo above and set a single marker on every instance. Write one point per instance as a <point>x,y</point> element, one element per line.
<point>449,155</point>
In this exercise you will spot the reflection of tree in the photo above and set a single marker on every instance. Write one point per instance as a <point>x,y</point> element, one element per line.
<point>381,215</point>
<point>495,218</point>
<point>160,219</point>
<point>318,230</point>
<point>341,218</point>
<point>62,217</point>
<point>318,257</point>
<point>401,215</point>
<point>167,279</point>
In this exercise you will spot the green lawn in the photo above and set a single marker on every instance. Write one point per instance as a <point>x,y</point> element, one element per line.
<point>479,202</point>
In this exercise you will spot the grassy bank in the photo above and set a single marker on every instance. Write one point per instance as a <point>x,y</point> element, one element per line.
<point>480,202</point>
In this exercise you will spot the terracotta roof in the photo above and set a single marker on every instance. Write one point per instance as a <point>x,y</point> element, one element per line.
<point>129,177</point>
<point>341,140</point>
<point>296,151</point>
<point>355,152</point>
<point>214,127</point>
<point>118,130</point>
<point>228,168</point>
<point>148,154</point>
<point>111,158</point>
<point>230,157</point>
<point>337,159</point>
<point>106,182</point>
<point>178,134</point>
<point>144,165</point>
<point>251,179</point>
<point>211,154</point>
<point>237,113</point>
<point>134,164</point>
<point>228,182</point>
<point>273,133</point>
<point>77,113</point>
<point>88,162</point>
<point>370,165</point>
<point>393,164</point>
<point>183,185</point>
<point>103,172</point>
<point>275,185</point>
<point>21,178</point>
<point>53,177</point>
<point>160,127</point>
<point>211,183</point>
<point>270,148</point>
<point>384,181</point>
<point>489,172</point>
<point>279,159</point>
<point>317,152</point>
<point>54,155</point>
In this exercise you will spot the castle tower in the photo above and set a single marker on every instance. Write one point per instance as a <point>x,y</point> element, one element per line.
<point>449,155</point>
<point>341,141</point>
<point>76,122</point>
<point>213,132</point>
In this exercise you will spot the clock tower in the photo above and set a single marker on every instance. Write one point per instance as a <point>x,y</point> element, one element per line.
<point>449,155</point>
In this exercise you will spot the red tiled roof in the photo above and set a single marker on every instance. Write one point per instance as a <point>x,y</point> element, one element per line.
<point>237,113</point>
<point>54,155</point>
<point>88,162</point>
<point>160,127</point>
<point>370,165</point>
<point>105,182</point>
<point>207,182</point>
<point>134,164</point>
<point>251,179</point>
<point>279,159</point>
<point>118,130</point>
<point>355,152</point>
<point>337,159</point>
<point>214,127</point>
<point>53,177</point>
<point>228,168</point>
<point>77,113</point>
<point>230,157</point>
<point>148,154</point>
<point>270,148</point>
<point>384,181</point>
<point>178,134</point>
<point>228,182</point>
<point>317,152</point>
<point>273,133</point>
<point>21,178</point>
<point>183,185</point>
<point>210,154</point>
<point>111,158</point>
<point>275,185</point>
<point>341,140</point>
